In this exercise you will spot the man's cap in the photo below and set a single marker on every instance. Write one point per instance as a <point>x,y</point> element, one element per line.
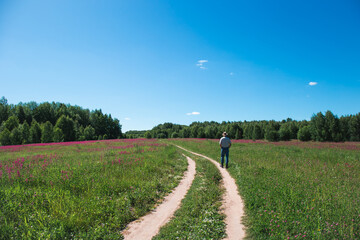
<point>224,133</point>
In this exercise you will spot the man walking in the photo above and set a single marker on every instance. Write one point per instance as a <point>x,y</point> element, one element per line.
<point>225,144</point>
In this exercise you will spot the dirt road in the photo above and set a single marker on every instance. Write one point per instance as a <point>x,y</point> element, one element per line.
<point>232,203</point>
<point>149,225</point>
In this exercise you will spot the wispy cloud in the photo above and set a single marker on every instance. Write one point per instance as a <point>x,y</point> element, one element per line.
<point>193,113</point>
<point>200,64</point>
<point>313,83</point>
<point>231,74</point>
<point>127,119</point>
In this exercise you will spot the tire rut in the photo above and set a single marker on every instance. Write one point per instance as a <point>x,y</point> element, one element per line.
<point>233,204</point>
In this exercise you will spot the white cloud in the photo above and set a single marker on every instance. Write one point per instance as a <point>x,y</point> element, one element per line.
<point>127,118</point>
<point>313,83</point>
<point>193,113</point>
<point>200,64</point>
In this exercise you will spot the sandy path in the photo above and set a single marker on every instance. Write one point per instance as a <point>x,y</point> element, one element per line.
<point>149,225</point>
<point>233,204</point>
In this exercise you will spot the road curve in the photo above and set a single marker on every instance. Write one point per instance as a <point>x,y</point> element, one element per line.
<point>149,225</point>
<point>232,203</point>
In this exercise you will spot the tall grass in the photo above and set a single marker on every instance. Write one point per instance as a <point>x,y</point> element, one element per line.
<point>293,192</point>
<point>86,190</point>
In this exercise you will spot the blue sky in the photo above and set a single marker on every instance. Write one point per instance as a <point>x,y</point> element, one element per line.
<point>150,62</point>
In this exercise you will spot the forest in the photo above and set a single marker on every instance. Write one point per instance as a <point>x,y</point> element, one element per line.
<point>53,122</point>
<point>322,127</point>
<point>57,122</point>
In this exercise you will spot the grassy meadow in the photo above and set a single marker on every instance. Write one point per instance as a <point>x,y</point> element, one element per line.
<point>294,190</point>
<point>91,190</point>
<point>83,190</point>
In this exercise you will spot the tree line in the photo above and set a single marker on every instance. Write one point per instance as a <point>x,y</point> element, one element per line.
<point>321,127</point>
<point>135,134</point>
<point>53,122</point>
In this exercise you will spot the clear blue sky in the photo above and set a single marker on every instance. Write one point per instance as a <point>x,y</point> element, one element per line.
<point>150,62</point>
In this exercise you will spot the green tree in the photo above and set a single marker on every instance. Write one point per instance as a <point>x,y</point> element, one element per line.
<point>209,132</point>
<point>114,129</point>
<point>304,133</point>
<point>185,132</point>
<point>332,127</point>
<point>79,132</point>
<point>174,135</point>
<point>239,133</point>
<point>11,123</point>
<point>44,112</point>
<point>354,127</point>
<point>4,110</point>
<point>98,122</point>
<point>20,113</point>
<point>148,134</point>
<point>89,133</point>
<point>257,132</point>
<point>5,137</point>
<point>194,131</point>
<point>161,135</point>
<point>285,132</point>
<point>25,132</point>
<point>294,128</point>
<point>318,126</point>
<point>16,137</point>
<point>200,133</point>
<point>271,134</point>
<point>232,130</point>
<point>35,132</point>
<point>67,126</point>
<point>344,125</point>
<point>248,131</point>
<point>47,132</point>
<point>58,135</point>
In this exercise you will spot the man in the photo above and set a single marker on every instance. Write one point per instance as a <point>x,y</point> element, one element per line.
<point>225,144</point>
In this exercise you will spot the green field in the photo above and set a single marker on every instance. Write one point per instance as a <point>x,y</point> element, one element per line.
<point>85,190</point>
<point>91,190</point>
<point>294,190</point>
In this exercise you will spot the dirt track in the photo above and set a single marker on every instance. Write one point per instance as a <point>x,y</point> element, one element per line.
<point>233,204</point>
<point>149,225</point>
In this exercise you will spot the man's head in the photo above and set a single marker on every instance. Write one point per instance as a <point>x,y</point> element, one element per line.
<point>224,134</point>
